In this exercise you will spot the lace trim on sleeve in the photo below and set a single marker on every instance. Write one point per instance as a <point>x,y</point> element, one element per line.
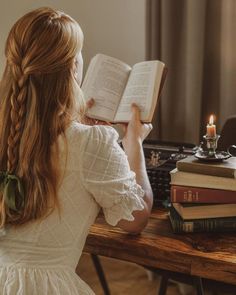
<point>124,205</point>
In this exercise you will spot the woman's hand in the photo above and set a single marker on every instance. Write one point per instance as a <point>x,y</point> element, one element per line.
<point>90,121</point>
<point>135,131</point>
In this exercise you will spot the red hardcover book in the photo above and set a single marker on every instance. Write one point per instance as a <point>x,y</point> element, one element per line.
<point>187,194</point>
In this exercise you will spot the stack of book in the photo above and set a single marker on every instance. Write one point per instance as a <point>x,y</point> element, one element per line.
<point>203,196</point>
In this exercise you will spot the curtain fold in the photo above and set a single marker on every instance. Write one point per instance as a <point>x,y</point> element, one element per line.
<point>195,39</point>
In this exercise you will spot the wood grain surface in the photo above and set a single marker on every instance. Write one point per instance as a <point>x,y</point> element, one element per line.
<point>209,255</point>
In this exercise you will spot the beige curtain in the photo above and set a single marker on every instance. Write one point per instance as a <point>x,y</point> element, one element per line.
<point>197,41</point>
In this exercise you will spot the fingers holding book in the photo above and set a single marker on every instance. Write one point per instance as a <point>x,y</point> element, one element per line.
<point>132,130</point>
<point>135,130</point>
<point>90,121</point>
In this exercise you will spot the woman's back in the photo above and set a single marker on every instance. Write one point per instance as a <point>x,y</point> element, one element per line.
<point>36,258</point>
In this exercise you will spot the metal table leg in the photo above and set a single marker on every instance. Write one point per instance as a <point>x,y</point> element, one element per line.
<point>198,284</point>
<point>100,273</point>
<point>163,285</point>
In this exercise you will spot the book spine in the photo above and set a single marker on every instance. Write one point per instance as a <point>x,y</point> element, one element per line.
<point>203,225</point>
<point>205,170</point>
<point>185,194</point>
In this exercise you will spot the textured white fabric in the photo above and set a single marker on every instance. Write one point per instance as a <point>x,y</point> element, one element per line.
<point>40,258</point>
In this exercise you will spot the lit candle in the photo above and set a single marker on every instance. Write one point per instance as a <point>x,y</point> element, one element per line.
<point>211,127</point>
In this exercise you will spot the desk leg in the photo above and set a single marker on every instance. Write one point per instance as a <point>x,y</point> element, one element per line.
<point>198,284</point>
<point>163,285</point>
<point>100,274</point>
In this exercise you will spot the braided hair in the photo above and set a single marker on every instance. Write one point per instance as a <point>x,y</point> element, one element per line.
<point>18,114</point>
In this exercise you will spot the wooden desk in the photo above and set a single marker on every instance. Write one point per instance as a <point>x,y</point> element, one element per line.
<point>211,256</point>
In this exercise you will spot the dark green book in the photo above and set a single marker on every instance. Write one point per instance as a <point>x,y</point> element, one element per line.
<point>222,224</point>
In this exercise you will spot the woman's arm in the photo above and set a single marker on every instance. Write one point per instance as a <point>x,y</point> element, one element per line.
<point>132,143</point>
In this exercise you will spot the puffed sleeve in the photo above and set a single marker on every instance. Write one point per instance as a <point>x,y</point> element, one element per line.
<point>107,176</point>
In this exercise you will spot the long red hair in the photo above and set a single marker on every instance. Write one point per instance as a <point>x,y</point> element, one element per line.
<point>37,103</point>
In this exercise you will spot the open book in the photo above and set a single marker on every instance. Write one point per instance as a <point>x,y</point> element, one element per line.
<point>114,85</point>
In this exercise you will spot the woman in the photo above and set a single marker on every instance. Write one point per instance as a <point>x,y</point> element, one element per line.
<point>55,172</point>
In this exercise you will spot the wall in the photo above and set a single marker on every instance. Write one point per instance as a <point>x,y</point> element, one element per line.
<point>114,27</point>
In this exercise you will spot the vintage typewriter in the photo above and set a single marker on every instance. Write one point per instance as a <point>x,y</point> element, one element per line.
<point>161,158</point>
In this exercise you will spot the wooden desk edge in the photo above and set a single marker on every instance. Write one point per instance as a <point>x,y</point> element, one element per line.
<point>112,242</point>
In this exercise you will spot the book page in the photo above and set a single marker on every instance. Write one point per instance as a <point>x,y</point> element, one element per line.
<point>142,88</point>
<point>105,81</point>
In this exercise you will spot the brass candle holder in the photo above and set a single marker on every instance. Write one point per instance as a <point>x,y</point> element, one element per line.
<point>211,144</point>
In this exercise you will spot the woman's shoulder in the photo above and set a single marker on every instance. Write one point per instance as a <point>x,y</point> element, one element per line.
<point>93,140</point>
<point>78,131</point>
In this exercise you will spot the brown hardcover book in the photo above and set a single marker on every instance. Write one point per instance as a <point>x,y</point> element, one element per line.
<point>186,194</point>
<point>224,169</point>
<point>200,211</point>
<point>201,180</point>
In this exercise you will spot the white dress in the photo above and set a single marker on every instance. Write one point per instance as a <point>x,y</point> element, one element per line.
<point>40,258</point>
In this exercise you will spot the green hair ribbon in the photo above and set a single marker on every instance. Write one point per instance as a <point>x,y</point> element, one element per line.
<point>11,187</point>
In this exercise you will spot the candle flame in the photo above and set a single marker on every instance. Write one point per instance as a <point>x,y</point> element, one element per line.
<point>211,120</point>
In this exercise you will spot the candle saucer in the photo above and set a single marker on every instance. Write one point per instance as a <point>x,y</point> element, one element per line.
<point>217,157</point>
